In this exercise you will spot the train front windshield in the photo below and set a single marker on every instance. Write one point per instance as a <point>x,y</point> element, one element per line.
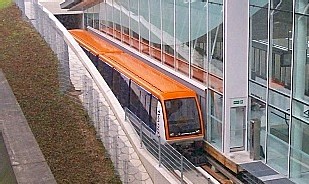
<point>183,117</point>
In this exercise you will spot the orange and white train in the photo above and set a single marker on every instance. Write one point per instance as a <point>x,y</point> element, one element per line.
<point>170,109</point>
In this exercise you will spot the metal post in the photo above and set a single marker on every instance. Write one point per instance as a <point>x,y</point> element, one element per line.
<point>181,168</point>
<point>97,122</point>
<point>106,131</point>
<point>159,151</point>
<point>115,151</point>
<point>125,114</point>
<point>125,171</point>
<point>141,133</point>
<point>90,102</point>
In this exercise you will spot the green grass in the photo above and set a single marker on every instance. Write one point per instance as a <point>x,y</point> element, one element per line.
<point>60,126</point>
<point>5,3</point>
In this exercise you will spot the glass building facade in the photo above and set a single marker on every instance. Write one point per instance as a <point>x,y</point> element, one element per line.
<point>192,37</point>
<point>278,83</point>
<point>186,36</point>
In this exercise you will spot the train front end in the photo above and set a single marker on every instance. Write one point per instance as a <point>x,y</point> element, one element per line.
<point>182,120</point>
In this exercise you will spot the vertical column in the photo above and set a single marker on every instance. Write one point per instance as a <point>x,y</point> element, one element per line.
<point>236,35</point>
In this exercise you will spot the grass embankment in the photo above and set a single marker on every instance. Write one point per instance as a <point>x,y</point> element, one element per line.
<point>60,126</point>
<point>5,3</point>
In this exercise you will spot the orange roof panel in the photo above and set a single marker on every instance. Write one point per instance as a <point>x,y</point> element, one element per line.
<point>92,42</point>
<point>149,78</point>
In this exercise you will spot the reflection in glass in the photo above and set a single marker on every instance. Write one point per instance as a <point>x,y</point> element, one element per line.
<point>134,24</point>
<point>301,58</point>
<point>155,29</point>
<point>215,32</point>
<point>257,90</point>
<point>280,65</point>
<point>144,15</point>
<point>300,151</point>
<point>277,154</point>
<point>257,111</point>
<point>278,124</point>
<point>102,17</point>
<point>182,116</point>
<point>259,43</point>
<point>198,37</point>
<point>279,100</point>
<point>214,126</point>
<point>168,33</point>
<point>182,37</point>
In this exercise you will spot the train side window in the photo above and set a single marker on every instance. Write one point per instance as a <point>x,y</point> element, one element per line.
<point>124,90</point>
<point>134,99</point>
<point>86,51</point>
<point>145,108</point>
<point>93,58</point>
<point>106,71</point>
<point>153,113</point>
<point>116,84</point>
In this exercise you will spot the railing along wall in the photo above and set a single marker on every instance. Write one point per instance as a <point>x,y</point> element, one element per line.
<point>165,154</point>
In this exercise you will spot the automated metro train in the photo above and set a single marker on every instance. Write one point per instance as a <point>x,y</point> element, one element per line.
<point>170,109</point>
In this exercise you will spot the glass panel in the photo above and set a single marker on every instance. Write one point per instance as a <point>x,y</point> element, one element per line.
<point>182,37</point>
<point>278,124</point>
<point>301,56</point>
<point>124,91</point>
<point>215,29</point>
<point>281,46</point>
<point>278,138</point>
<point>116,20</point>
<point>300,110</point>
<point>182,116</point>
<point>261,3</point>
<point>214,126</point>
<point>300,151</point>
<point>153,113</point>
<point>257,111</point>
<point>96,10</point>
<point>198,36</point>
<point>155,29</point>
<point>124,4</point>
<point>102,17</point>
<point>257,90</point>
<point>134,24</point>
<point>134,99</point>
<point>145,107</point>
<point>168,32</point>
<point>279,100</point>
<point>301,7</point>
<point>106,71</point>
<point>277,154</point>
<point>116,84</point>
<point>93,58</point>
<point>109,17</point>
<point>144,25</point>
<point>88,19</point>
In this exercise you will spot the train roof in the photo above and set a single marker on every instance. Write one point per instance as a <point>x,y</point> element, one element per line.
<point>149,78</point>
<point>93,43</point>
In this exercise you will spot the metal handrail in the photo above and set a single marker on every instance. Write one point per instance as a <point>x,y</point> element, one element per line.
<point>166,155</point>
